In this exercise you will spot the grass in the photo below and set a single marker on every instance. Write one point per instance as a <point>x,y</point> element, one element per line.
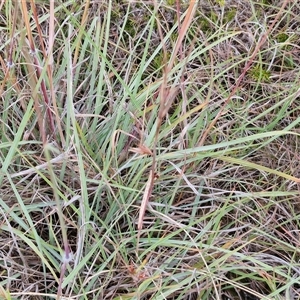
<point>149,150</point>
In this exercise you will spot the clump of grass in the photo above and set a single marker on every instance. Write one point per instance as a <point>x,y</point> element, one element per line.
<point>149,150</point>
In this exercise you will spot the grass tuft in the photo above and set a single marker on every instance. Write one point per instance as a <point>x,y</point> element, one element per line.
<point>149,150</point>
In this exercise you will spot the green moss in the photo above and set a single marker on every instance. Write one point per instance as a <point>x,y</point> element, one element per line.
<point>221,2</point>
<point>266,2</point>
<point>282,37</point>
<point>131,26</point>
<point>229,16</point>
<point>205,21</point>
<point>158,61</point>
<point>171,2</point>
<point>258,73</point>
<point>116,13</point>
